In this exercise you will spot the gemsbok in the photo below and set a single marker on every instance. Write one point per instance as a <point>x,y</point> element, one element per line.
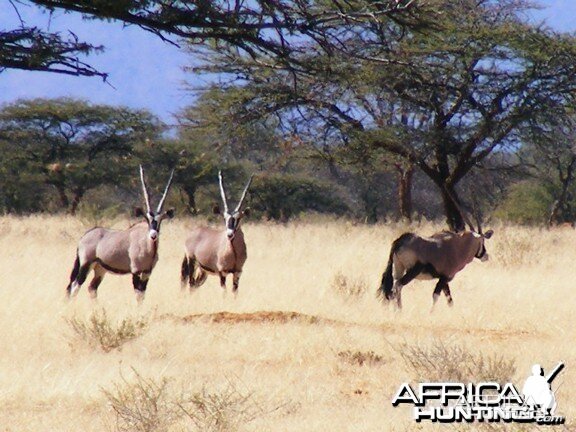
<point>217,251</point>
<point>440,256</point>
<point>134,250</point>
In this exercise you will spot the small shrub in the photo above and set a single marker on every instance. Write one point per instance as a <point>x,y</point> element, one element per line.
<point>369,358</point>
<point>100,331</point>
<point>221,411</point>
<point>455,363</point>
<point>349,288</point>
<point>149,405</point>
<point>145,405</point>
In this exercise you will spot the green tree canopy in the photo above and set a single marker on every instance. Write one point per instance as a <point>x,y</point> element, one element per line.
<point>73,146</point>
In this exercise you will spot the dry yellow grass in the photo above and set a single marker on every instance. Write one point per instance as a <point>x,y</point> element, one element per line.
<point>282,339</point>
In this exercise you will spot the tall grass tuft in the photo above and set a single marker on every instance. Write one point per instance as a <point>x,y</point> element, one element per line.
<point>145,405</point>
<point>361,358</point>
<point>348,287</point>
<point>455,363</point>
<point>224,410</point>
<point>100,331</point>
<point>154,405</point>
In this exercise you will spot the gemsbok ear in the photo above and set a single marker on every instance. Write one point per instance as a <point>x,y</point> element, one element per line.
<point>488,234</point>
<point>216,209</point>
<point>246,212</point>
<point>138,212</point>
<point>170,213</point>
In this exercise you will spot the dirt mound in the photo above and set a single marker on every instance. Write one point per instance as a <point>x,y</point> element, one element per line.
<point>275,317</point>
<point>284,317</point>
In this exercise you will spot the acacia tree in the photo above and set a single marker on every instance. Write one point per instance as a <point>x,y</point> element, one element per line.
<point>442,101</point>
<point>550,158</point>
<point>277,28</point>
<point>255,27</point>
<point>74,146</point>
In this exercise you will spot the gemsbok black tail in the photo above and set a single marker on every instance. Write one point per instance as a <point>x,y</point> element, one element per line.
<point>385,290</point>
<point>74,274</point>
<point>387,282</point>
<point>185,271</point>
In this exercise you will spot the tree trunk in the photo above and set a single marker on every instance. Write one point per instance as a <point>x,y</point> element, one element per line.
<point>191,198</point>
<point>405,191</point>
<point>560,203</point>
<point>370,205</point>
<point>454,218</point>
<point>78,194</point>
<point>64,201</point>
<point>553,218</point>
<point>371,213</point>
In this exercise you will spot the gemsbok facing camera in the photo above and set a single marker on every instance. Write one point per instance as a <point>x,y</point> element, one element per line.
<point>134,250</point>
<point>217,251</point>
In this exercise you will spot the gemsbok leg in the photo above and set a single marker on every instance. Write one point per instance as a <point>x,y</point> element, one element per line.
<point>191,274</point>
<point>140,282</point>
<point>405,280</point>
<point>236,282</point>
<point>442,287</point>
<point>200,278</point>
<point>448,295</point>
<point>99,273</point>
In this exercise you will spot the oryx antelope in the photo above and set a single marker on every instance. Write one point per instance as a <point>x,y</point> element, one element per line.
<point>217,251</point>
<point>440,256</point>
<point>134,250</point>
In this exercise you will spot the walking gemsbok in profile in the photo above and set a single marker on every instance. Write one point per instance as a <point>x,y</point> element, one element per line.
<point>440,256</point>
<point>134,250</point>
<point>217,251</point>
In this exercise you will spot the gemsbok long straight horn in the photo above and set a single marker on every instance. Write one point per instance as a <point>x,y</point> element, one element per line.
<point>440,256</point>
<point>134,250</point>
<point>217,251</point>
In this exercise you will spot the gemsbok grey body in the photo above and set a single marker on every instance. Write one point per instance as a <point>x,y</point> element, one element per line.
<point>440,256</point>
<point>217,251</point>
<point>134,250</point>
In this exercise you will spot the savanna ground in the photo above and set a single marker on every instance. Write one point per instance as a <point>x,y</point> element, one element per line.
<point>305,346</point>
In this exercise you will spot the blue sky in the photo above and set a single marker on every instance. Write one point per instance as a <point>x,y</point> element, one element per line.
<point>145,72</point>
